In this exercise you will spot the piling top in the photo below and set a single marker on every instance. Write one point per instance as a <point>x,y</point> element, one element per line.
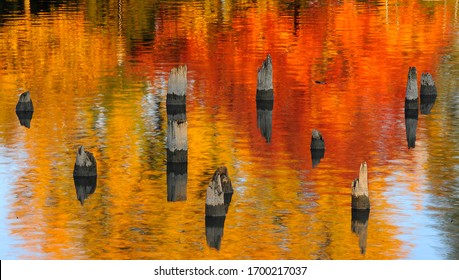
<point>412,84</point>
<point>265,75</point>
<point>426,79</point>
<point>360,186</point>
<point>83,158</point>
<point>177,81</point>
<point>25,97</point>
<point>214,196</point>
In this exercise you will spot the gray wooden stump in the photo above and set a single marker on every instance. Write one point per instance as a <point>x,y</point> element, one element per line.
<point>24,109</point>
<point>359,226</point>
<point>176,86</point>
<point>317,147</point>
<point>219,188</point>
<point>265,80</point>
<point>360,198</point>
<point>428,93</point>
<point>85,164</point>
<point>25,103</point>
<point>411,107</point>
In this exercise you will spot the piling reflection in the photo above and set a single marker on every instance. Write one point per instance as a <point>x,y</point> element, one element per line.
<point>359,226</point>
<point>265,118</point>
<point>411,121</point>
<point>214,231</point>
<point>84,186</point>
<point>24,118</point>
<point>177,177</point>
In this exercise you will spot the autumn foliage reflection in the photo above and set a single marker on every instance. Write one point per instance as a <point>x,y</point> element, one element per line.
<point>108,64</point>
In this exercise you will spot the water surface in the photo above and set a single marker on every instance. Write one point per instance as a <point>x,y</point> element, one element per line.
<point>97,72</point>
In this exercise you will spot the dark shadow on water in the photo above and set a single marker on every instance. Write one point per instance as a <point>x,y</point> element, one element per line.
<point>25,118</point>
<point>359,226</point>
<point>411,121</point>
<point>84,186</point>
<point>264,118</point>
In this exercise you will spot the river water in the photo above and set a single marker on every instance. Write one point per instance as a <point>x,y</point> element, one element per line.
<point>97,72</point>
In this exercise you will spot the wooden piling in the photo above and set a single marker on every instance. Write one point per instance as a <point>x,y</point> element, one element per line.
<point>411,107</point>
<point>177,141</point>
<point>25,103</point>
<point>85,164</point>
<point>265,118</point>
<point>265,80</point>
<point>428,93</point>
<point>176,86</point>
<point>360,198</point>
<point>215,202</point>
<point>317,147</point>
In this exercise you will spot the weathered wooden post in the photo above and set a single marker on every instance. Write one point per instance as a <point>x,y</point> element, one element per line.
<point>359,226</point>
<point>177,138</point>
<point>24,109</point>
<point>317,147</point>
<point>218,198</point>
<point>360,207</point>
<point>428,93</point>
<point>360,198</point>
<point>265,98</point>
<point>176,86</point>
<point>84,174</point>
<point>411,107</point>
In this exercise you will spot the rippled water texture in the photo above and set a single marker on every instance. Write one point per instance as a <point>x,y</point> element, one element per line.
<point>97,72</point>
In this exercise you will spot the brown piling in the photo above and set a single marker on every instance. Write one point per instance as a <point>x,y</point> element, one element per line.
<point>176,86</point>
<point>85,164</point>
<point>24,109</point>
<point>317,147</point>
<point>265,80</point>
<point>25,103</point>
<point>360,198</point>
<point>428,93</point>
<point>411,107</point>
<point>177,138</point>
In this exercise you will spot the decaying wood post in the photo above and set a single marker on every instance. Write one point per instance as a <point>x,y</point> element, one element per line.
<point>177,138</point>
<point>215,196</point>
<point>24,109</point>
<point>359,226</point>
<point>411,107</point>
<point>317,147</point>
<point>218,199</point>
<point>84,174</point>
<point>265,80</point>
<point>219,193</point>
<point>85,164</point>
<point>25,103</point>
<point>428,93</point>
<point>360,198</point>
<point>265,98</point>
<point>84,186</point>
<point>176,86</point>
